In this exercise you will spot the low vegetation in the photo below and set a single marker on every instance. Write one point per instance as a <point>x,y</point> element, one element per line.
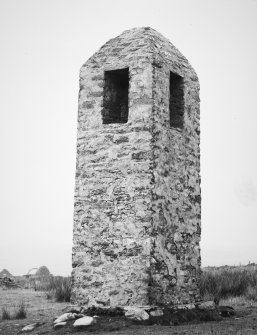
<point>19,312</point>
<point>61,288</point>
<point>224,283</point>
<point>236,287</point>
<point>56,287</point>
<point>5,314</point>
<point>216,284</point>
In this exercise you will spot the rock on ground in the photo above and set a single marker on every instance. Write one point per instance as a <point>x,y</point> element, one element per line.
<point>60,325</point>
<point>136,313</point>
<point>156,312</point>
<point>30,327</point>
<point>85,321</point>
<point>65,317</point>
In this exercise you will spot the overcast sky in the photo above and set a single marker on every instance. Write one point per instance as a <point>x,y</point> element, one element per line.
<point>43,45</point>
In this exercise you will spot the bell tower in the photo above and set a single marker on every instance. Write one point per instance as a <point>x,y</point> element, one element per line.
<point>137,208</point>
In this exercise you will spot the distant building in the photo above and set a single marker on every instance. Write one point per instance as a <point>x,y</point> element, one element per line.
<point>36,276</point>
<point>38,272</point>
<point>31,273</point>
<point>5,273</point>
<point>7,280</point>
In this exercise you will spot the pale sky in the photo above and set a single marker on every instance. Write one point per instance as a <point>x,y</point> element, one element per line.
<point>43,45</point>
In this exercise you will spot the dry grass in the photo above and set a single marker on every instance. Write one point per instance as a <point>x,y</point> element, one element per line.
<point>234,288</point>
<point>224,283</point>
<point>61,288</point>
<point>39,309</point>
<point>18,312</point>
<point>5,314</point>
<point>56,287</point>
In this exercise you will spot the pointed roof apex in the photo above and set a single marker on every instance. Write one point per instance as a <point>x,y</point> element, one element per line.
<point>140,43</point>
<point>142,30</point>
<point>146,33</point>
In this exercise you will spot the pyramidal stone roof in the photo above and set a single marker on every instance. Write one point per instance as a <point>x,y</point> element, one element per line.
<point>136,43</point>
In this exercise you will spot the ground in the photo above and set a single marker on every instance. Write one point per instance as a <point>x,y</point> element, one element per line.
<point>39,309</point>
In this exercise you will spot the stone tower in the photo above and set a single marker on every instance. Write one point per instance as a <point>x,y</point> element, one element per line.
<point>137,196</point>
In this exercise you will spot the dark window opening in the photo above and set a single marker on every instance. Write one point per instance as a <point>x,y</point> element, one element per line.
<point>115,103</point>
<point>176,101</point>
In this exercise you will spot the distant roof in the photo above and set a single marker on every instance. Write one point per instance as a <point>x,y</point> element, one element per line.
<point>5,273</point>
<point>41,271</point>
<point>32,271</point>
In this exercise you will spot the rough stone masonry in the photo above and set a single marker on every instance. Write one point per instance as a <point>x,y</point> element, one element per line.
<point>137,196</point>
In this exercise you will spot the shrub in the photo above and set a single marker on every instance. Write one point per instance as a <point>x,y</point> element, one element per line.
<point>59,288</point>
<point>251,293</point>
<point>43,272</point>
<point>209,286</point>
<point>5,314</point>
<point>49,295</point>
<point>224,284</point>
<point>63,290</point>
<point>20,312</point>
<point>55,286</point>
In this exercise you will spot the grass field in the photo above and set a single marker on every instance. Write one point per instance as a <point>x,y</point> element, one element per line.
<point>230,286</point>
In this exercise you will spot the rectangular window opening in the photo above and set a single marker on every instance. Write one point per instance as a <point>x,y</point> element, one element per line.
<point>115,103</point>
<point>176,104</point>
